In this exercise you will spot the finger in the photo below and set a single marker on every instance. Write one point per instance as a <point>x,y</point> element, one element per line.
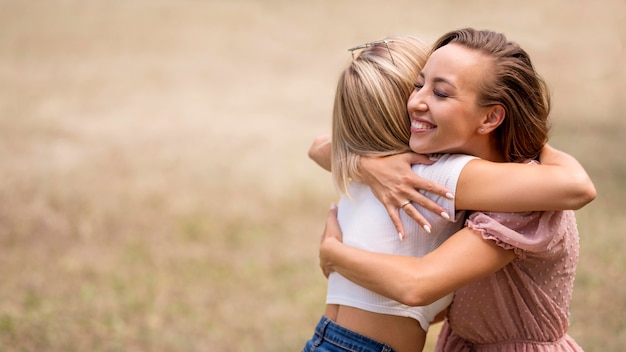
<point>437,189</point>
<point>427,185</point>
<point>411,211</point>
<point>325,270</point>
<point>420,159</point>
<point>331,220</point>
<point>332,229</point>
<point>426,203</point>
<point>394,214</point>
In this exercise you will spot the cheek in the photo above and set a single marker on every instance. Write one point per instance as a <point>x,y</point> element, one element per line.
<point>465,121</point>
<point>454,132</point>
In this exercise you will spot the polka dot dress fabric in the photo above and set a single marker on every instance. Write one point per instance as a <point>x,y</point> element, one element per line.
<point>524,306</point>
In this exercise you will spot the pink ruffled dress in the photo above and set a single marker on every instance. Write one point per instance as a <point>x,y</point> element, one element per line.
<point>524,306</point>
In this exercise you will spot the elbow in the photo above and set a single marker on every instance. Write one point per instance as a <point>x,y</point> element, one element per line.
<point>585,194</point>
<point>416,300</point>
<point>419,287</point>
<point>320,151</point>
<point>588,196</point>
<point>312,153</point>
<point>316,155</point>
<point>413,301</point>
<point>416,296</point>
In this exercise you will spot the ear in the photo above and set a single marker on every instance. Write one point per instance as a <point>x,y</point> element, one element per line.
<point>493,118</point>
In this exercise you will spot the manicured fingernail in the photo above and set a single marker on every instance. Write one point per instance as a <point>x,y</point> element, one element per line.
<point>445,215</point>
<point>400,236</point>
<point>449,195</point>
<point>433,157</point>
<point>427,228</point>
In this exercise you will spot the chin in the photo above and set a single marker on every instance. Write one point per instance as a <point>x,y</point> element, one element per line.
<point>419,148</point>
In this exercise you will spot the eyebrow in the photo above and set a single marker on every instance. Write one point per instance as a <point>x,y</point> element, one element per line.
<point>437,79</point>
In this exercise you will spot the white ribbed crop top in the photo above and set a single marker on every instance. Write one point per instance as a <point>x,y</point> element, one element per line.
<point>365,224</point>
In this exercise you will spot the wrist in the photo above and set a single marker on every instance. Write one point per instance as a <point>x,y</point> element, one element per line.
<point>327,250</point>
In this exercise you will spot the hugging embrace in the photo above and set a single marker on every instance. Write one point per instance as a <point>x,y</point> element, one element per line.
<point>453,205</point>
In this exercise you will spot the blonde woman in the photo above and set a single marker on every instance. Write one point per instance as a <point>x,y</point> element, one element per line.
<point>370,118</point>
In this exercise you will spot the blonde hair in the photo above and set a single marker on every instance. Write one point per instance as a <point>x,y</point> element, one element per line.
<point>370,111</point>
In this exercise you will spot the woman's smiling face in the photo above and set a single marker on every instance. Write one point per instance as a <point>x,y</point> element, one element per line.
<point>445,116</point>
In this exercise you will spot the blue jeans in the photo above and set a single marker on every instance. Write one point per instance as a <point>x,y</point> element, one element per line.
<point>330,337</point>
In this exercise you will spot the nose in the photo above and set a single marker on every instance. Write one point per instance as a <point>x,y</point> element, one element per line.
<point>416,102</point>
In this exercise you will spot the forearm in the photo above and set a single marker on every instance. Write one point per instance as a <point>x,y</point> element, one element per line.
<point>559,183</point>
<point>460,260</point>
<point>387,275</point>
<point>418,281</point>
<point>571,174</point>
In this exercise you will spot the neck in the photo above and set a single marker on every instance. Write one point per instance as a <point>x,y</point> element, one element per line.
<point>487,149</point>
<point>493,155</point>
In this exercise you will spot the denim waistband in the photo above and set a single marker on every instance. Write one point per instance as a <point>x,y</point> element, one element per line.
<point>329,331</point>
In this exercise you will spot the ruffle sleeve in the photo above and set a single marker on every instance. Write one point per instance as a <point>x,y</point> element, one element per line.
<point>535,232</point>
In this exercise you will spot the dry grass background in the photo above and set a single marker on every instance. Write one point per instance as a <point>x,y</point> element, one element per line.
<point>155,193</point>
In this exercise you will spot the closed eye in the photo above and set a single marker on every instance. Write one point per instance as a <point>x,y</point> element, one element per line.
<point>440,93</point>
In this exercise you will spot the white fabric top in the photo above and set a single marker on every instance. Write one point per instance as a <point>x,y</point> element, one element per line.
<point>365,224</point>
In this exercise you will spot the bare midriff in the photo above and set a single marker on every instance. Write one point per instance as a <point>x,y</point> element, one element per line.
<point>401,333</point>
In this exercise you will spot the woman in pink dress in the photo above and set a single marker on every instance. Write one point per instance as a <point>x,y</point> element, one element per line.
<point>512,273</point>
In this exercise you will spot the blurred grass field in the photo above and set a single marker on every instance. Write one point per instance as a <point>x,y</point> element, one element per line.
<point>155,193</point>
